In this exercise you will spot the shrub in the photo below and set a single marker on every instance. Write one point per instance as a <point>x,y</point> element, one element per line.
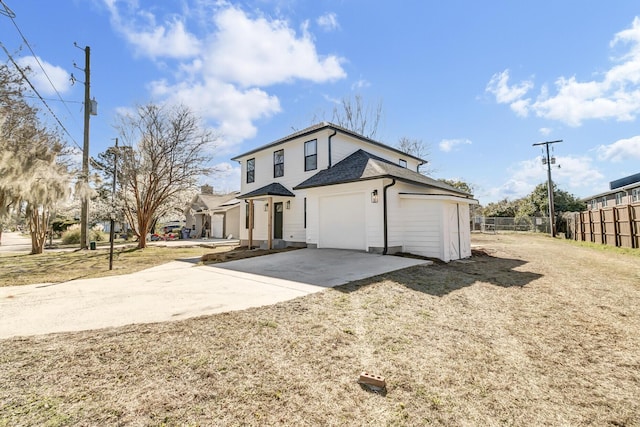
<point>72,236</point>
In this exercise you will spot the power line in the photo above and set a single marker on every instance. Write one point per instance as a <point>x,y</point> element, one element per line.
<point>24,77</point>
<point>6,11</point>
<point>26,42</point>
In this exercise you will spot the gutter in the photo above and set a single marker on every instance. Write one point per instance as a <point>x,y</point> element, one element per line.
<point>384,196</point>
<point>335,131</point>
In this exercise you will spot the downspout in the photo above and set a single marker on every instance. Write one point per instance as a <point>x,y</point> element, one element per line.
<point>335,131</point>
<point>384,207</point>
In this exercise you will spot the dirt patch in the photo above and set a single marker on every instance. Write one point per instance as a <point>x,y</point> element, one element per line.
<point>529,331</point>
<point>242,252</point>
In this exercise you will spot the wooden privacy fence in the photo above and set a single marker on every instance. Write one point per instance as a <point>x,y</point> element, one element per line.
<point>616,226</point>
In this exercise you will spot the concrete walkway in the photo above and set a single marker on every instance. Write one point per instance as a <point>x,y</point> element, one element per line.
<point>180,290</point>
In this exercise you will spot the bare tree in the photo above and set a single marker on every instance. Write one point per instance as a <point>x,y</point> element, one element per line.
<point>417,148</point>
<point>165,151</point>
<point>354,114</point>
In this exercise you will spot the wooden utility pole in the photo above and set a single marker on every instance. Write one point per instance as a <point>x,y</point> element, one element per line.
<point>552,222</point>
<point>84,210</point>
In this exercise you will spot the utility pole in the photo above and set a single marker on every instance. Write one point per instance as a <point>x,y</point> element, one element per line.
<point>84,210</point>
<point>112,225</point>
<point>548,160</point>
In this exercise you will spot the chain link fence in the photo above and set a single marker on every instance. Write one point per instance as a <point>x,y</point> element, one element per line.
<point>496,224</point>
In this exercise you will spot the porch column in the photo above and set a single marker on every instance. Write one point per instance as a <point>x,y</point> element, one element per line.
<point>250,207</point>
<point>270,224</point>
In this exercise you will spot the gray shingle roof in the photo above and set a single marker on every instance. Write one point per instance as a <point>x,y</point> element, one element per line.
<point>273,189</point>
<point>325,125</point>
<point>204,202</point>
<point>362,165</point>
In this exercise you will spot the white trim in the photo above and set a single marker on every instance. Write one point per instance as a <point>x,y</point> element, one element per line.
<point>444,197</point>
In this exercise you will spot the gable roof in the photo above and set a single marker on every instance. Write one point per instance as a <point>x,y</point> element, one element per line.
<point>208,202</point>
<point>273,189</point>
<point>322,126</point>
<point>361,166</point>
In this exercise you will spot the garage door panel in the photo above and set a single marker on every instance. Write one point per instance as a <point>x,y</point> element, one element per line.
<point>342,223</point>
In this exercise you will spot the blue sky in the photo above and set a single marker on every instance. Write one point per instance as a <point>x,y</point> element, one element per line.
<point>479,82</point>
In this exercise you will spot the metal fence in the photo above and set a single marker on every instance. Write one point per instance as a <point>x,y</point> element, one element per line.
<point>616,226</point>
<point>496,224</point>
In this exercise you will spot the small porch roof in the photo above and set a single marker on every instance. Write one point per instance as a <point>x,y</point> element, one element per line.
<point>273,189</point>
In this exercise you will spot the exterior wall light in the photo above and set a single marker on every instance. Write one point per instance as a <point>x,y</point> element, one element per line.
<point>288,204</point>
<point>266,207</point>
<point>374,196</point>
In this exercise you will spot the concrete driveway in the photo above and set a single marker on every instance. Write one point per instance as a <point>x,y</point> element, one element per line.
<point>182,289</point>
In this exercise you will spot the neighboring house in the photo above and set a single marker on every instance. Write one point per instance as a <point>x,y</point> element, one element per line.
<point>328,187</point>
<point>623,191</point>
<point>214,215</point>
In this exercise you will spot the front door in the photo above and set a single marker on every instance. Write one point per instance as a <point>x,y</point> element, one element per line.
<point>277,220</point>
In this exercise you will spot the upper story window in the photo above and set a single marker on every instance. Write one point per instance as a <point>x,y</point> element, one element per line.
<point>251,170</point>
<point>635,195</point>
<point>311,155</point>
<point>278,163</point>
<point>594,204</point>
<point>603,202</point>
<point>619,196</point>
<point>402,163</point>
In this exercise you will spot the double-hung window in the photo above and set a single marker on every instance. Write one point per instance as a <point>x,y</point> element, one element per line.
<point>635,195</point>
<point>402,163</point>
<point>278,163</point>
<point>251,170</point>
<point>311,155</point>
<point>619,196</point>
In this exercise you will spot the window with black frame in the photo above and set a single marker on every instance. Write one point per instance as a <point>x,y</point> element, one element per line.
<point>251,170</point>
<point>278,163</point>
<point>311,155</point>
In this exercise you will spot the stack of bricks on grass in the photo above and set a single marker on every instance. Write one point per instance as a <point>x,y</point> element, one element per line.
<point>372,380</point>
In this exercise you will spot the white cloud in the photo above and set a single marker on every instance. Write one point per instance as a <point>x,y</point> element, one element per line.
<point>259,52</point>
<point>615,96</point>
<point>328,21</point>
<point>226,177</point>
<point>545,131</point>
<point>510,94</point>
<point>222,75</point>
<point>620,150</point>
<point>232,108</point>
<point>59,76</point>
<point>569,173</point>
<point>447,145</point>
<point>360,84</point>
<point>170,39</point>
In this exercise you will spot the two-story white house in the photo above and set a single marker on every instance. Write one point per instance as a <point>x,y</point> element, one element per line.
<point>328,187</point>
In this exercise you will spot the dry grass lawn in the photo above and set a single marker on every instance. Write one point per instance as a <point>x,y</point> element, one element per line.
<point>530,331</point>
<point>55,267</point>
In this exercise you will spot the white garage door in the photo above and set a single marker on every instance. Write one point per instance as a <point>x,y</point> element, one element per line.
<point>217,224</point>
<point>342,222</point>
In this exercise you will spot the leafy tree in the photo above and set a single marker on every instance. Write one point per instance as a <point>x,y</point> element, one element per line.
<point>165,151</point>
<point>460,185</point>
<point>504,208</point>
<point>537,202</point>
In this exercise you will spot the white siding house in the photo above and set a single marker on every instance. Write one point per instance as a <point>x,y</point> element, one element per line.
<point>328,187</point>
